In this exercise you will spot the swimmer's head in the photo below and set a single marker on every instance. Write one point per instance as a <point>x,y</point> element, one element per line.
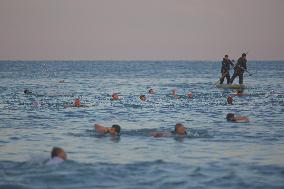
<point>180,129</point>
<point>115,130</point>
<point>230,100</point>
<point>35,104</point>
<point>244,55</point>
<point>151,91</point>
<point>114,96</point>
<point>142,97</point>
<point>239,92</point>
<point>230,117</point>
<point>77,102</point>
<point>189,95</point>
<point>26,91</point>
<point>65,105</point>
<point>58,152</point>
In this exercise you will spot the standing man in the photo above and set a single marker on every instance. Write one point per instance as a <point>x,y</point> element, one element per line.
<point>225,70</point>
<point>240,68</point>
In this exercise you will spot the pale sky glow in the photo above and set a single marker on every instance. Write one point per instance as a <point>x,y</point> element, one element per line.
<point>141,29</point>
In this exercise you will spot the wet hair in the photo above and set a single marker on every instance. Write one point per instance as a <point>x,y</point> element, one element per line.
<point>177,126</point>
<point>230,100</point>
<point>230,117</point>
<point>55,151</point>
<point>116,128</point>
<point>240,91</point>
<point>142,96</point>
<point>26,91</point>
<point>244,55</point>
<point>226,55</point>
<point>77,102</point>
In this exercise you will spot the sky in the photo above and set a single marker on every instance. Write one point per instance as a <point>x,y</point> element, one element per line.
<point>141,29</point>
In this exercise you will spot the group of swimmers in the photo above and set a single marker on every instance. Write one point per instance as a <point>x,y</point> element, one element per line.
<point>115,96</point>
<point>58,155</point>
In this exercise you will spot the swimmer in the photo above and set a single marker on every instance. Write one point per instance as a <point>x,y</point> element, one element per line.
<point>151,91</point>
<point>240,93</point>
<point>58,156</point>
<point>77,102</point>
<point>65,105</point>
<point>189,95</point>
<point>115,96</point>
<point>230,100</point>
<point>61,81</point>
<point>174,93</point>
<point>142,97</point>
<point>239,119</point>
<point>36,104</point>
<point>26,91</point>
<point>180,130</point>
<point>114,130</point>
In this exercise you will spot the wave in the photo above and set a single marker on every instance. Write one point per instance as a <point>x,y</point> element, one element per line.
<point>153,174</point>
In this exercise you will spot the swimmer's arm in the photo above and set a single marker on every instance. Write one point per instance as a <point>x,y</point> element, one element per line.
<point>100,129</point>
<point>241,119</point>
<point>159,134</point>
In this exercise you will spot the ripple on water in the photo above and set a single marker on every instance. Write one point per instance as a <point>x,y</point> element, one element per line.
<point>245,155</point>
<point>155,174</point>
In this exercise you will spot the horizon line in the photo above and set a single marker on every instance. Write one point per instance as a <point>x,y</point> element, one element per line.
<point>126,60</point>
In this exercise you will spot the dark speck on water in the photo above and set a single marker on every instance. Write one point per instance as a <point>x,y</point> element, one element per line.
<point>214,154</point>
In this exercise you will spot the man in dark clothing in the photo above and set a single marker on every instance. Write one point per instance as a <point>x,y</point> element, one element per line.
<point>225,70</point>
<point>240,68</point>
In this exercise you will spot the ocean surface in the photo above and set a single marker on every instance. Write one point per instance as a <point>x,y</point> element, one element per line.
<point>214,154</point>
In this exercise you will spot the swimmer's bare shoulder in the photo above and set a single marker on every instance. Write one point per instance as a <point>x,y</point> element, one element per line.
<point>242,119</point>
<point>160,134</point>
<point>100,129</point>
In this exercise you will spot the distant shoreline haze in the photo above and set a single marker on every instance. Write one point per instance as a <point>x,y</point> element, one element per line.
<point>141,29</point>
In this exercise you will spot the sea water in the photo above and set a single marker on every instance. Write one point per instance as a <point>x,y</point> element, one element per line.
<point>214,154</point>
